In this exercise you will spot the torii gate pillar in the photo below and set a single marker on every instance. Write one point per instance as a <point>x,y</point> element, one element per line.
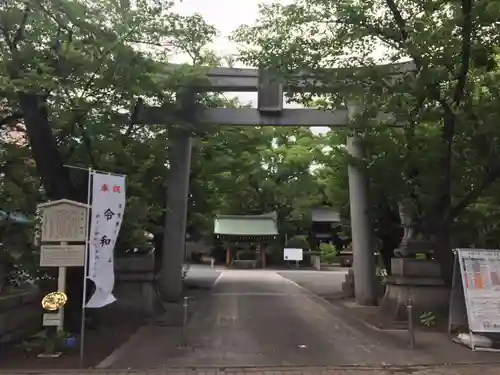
<point>174,240</point>
<point>362,239</point>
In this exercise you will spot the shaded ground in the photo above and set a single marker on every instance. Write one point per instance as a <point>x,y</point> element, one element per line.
<point>263,321</point>
<point>371,315</point>
<point>491,369</point>
<point>259,318</point>
<point>327,284</point>
<point>437,345</point>
<point>112,332</point>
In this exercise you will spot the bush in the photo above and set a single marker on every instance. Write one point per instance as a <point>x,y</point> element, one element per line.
<point>298,242</point>
<point>328,253</point>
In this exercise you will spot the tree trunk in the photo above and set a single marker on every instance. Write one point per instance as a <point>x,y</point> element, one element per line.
<point>389,231</point>
<point>444,253</point>
<point>57,184</point>
<point>441,219</point>
<point>390,242</point>
<point>49,164</point>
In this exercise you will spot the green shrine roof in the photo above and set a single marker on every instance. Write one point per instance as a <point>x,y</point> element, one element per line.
<point>246,225</point>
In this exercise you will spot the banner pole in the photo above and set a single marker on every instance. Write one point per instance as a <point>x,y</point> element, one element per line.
<point>85,268</point>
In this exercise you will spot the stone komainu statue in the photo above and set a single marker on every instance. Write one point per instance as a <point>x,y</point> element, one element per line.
<point>414,240</point>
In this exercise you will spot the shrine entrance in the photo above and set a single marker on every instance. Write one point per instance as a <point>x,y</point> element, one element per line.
<point>245,238</point>
<point>270,112</point>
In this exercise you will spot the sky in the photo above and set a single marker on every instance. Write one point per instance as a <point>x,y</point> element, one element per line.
<point>227,16</point>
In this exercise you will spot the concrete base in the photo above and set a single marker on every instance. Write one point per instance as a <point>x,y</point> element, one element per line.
<point>348,289</point>
<point>418,280</point>
<point>135,288</point>
<point>316,262</point>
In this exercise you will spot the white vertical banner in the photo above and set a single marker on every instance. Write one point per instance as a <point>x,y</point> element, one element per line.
<point>108,205</point>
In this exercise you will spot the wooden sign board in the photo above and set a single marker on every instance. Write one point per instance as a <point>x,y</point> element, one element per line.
<point>62,256</point>
<point>63,221</point>
<point>51,319</point>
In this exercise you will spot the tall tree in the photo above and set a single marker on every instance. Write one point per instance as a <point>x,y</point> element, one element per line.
<point>71,74</point>
<point>452,45</point>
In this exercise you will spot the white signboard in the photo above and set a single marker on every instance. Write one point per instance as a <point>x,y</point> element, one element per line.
<point>108,205</point>
<point>51,319</point>
<point>63,221</point>
<point>480,270</point>
<point>293,254</point>
<point>62,256</point>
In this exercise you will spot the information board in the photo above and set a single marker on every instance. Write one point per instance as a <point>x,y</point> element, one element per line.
<point>63,221</point>
<point>480,273</point>
<point>293,254</point>
<point>62,256</point>
<point>51,319</point>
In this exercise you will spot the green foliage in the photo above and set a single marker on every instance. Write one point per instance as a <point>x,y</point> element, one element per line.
<point>298,242</point>
<point>444,162</point>
<point>47,341</point>
<point>428,319</point>
<point>72,73</point>
<point>328,253</point>
<point>91,61</point>
<point>253,171</point>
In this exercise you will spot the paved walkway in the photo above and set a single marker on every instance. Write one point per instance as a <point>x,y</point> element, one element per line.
<point>259,318</point>
<point>455,370</point>
<point>260,323</point>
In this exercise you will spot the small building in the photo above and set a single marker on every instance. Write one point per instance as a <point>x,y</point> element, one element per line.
<point>325,226</point>
<point>245,237</point>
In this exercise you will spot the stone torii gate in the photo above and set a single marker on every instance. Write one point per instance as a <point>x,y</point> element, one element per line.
<point>270,112</point>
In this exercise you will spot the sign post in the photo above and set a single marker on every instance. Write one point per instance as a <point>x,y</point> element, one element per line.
<point>475,296</point>
<point>63,237</point>
<point>293,254</point>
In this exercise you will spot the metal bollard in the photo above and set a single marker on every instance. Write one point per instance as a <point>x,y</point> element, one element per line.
<point>411,332</point>
<point>184,322</point>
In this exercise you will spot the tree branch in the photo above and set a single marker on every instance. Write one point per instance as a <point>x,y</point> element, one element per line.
<point>403,31</point>
<point>398,18</point>
<point>79,116</point>
<point>108,52</point>
<point>474,194</point>
<point>134,117</point>
<point>49,14</point>
<point>22,25</point>
<point>450,118</point>
<point>465,51</point>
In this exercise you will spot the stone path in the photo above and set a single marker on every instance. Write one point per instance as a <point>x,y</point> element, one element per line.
<point>493,369</point>
<point>259,318</point>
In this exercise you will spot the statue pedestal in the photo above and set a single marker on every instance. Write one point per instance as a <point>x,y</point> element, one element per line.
<point>135,288</point>
<point>418,279</point>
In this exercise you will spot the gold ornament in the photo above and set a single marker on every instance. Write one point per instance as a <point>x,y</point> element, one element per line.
<point>54,301</point>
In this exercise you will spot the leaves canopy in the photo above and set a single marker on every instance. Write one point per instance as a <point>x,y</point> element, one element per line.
<point>71,73</point>
<point>446,156</point>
